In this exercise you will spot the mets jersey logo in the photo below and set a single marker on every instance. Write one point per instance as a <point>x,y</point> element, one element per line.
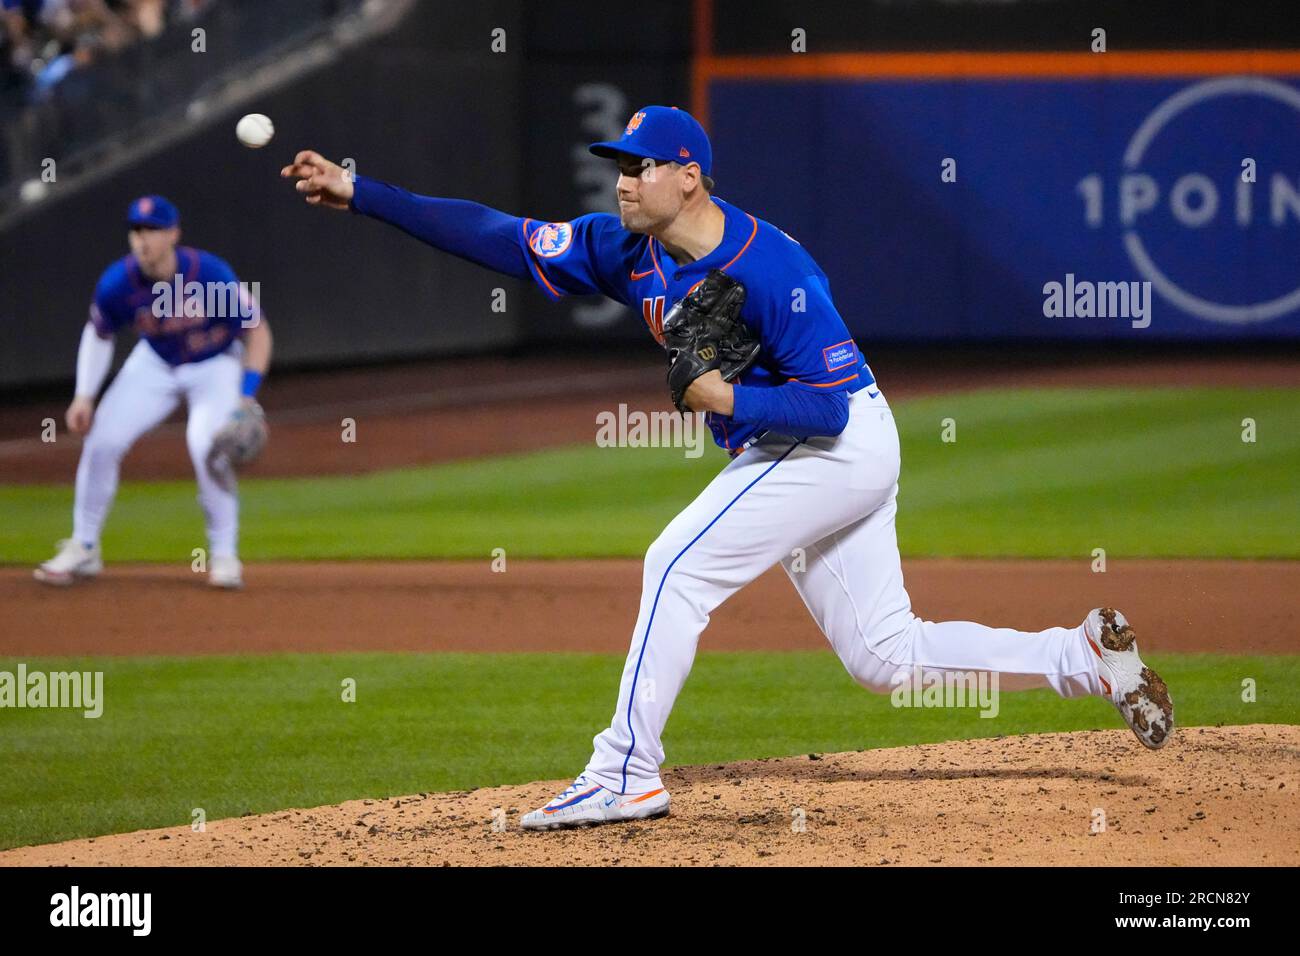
<point>551,239</point>
<point>652,310</point>
<point>633,123</point>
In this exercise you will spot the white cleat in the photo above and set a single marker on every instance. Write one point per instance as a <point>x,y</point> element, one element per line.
<point>73,562</point>
<point>1136,690</point>
<point>586,804</point>
<point>226,572</point>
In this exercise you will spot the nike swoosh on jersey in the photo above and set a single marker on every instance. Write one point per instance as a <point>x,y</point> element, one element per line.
<point>640,275</point>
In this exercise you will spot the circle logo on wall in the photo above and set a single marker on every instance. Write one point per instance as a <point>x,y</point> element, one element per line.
<point>1211,188</point>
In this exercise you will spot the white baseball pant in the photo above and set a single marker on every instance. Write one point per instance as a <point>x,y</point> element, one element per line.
<point>834,498</point>
<point>145,392</point>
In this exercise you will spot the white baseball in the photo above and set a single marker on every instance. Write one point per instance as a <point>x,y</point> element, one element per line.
<point>255,130</point>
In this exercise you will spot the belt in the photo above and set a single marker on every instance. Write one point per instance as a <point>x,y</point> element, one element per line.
<point>866,378</point>
<point>752,440</point>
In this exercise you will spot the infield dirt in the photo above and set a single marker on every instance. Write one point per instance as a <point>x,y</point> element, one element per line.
<point>333,606</point>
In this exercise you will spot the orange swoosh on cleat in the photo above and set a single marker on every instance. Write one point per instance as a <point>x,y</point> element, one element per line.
<point>647,796</point>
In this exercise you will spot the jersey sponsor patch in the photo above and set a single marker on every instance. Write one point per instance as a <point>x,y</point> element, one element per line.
<point>840,355</point>
<point>552,239</point>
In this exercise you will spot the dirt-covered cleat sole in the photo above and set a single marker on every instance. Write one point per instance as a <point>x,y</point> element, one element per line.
<point>1137,691</point>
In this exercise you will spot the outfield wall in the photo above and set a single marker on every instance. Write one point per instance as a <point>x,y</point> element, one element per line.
<point>944,196</point>
<point>844,149</point>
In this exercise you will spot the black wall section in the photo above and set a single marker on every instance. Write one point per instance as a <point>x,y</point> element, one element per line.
<point>587,72</point>
<point>763,26</point>
<point>432,108</point>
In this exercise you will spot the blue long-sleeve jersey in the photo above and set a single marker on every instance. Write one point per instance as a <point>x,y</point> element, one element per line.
<point>809,363</point>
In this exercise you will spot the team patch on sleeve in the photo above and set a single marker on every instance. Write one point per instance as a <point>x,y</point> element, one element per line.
<point>552,239</point>
<point>840,355</point>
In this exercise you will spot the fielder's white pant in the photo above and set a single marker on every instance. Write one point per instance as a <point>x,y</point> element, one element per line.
<point>144,393</point>
<point>835,499</point>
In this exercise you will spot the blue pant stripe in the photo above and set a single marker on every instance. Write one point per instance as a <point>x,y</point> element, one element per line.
<point>654,607</point>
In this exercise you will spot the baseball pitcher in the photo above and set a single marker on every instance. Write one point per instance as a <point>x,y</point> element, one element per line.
<point>753,340</point>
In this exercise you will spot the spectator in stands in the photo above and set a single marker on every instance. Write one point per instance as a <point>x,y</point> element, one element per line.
<point>45,40</point>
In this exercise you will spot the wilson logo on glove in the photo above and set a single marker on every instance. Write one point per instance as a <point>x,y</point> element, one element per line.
<point>704,332</point>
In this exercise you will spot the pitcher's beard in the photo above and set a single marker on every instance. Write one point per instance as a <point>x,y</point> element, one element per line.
<point>634,221</point>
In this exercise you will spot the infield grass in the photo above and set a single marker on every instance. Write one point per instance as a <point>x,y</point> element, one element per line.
<point>236,735</point>
<point>1041,473</point>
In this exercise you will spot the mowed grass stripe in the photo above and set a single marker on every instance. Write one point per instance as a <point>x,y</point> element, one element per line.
<point>235,735</point>
<point>1035,473</point>
<point>1153,473</point>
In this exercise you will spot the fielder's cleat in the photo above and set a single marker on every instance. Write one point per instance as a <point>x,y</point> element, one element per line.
<point>73,562</point>
<point>226,572</point>
<point>586,804</point>
<point>1136,690</point>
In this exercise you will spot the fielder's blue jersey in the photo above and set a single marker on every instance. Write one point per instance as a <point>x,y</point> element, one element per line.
<point>185,319</point>
<point>787,296</point>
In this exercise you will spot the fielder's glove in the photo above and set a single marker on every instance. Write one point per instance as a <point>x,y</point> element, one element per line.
<point>704,332</point>
<point>238,443</point>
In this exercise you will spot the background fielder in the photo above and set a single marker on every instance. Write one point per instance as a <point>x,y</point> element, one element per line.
<point>211,361</point>
<point>815,457</point>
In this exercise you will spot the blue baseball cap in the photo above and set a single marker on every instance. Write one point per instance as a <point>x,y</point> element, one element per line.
<point>663,133</point>
<point>154,212</point>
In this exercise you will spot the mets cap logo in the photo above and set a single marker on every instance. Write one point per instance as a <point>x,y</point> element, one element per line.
<point>633,123</point>
<point>145,206</point>
<point>551,239</point>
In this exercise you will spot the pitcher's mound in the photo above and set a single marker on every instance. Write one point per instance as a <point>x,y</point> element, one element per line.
<point>1213,796</point>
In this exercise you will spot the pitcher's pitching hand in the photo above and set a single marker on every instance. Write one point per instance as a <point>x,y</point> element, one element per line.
<point>321,182</point>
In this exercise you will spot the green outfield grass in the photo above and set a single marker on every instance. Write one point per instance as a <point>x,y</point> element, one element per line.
<point>1041,473</point>
<point>235,735</point>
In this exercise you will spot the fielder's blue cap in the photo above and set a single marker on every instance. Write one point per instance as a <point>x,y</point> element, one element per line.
<point>153,212</point>
<point>663,133</point>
